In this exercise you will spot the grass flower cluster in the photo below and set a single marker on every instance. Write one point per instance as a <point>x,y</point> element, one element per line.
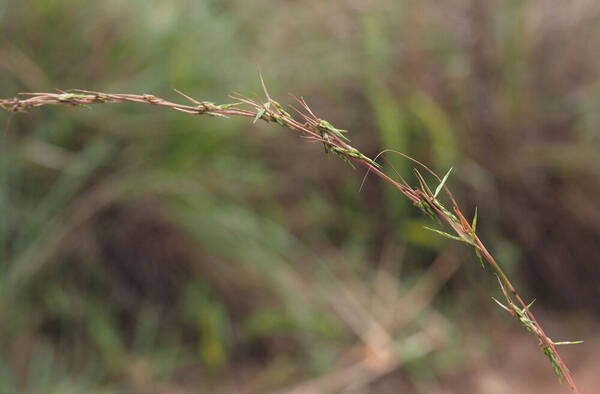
<point>334,141</point>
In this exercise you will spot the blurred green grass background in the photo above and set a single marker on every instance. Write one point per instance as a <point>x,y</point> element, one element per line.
<point>148,251</point>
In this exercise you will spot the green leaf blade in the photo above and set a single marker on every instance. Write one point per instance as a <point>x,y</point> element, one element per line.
<point>441,185</point>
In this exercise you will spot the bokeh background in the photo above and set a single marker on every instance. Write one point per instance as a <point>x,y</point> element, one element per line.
<point>146,251</point>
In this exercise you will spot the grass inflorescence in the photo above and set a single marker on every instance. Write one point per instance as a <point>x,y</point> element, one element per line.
<point>334,141</point>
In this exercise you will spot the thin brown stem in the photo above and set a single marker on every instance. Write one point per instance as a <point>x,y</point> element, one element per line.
<point>333,140</point>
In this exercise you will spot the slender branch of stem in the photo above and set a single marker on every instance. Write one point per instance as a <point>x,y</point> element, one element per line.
<point>334,141</point>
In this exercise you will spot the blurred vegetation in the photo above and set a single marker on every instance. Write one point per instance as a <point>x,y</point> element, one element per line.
<point>146,251</point>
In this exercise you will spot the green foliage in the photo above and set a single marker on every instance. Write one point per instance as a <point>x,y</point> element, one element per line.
<point>209,319</point>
